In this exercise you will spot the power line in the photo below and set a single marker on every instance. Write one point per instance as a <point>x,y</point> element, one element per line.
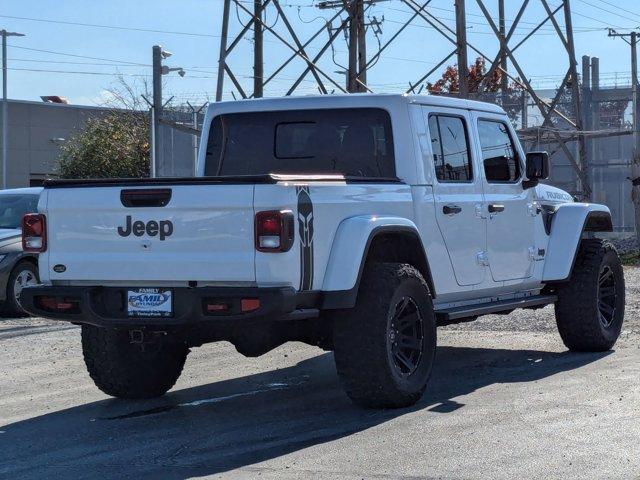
<point>78,56</point>
<point>64,62</point>
<point>120,27</point>
<point>549,32</point>
<point>112,27</point>
<point>603,9</point>
<point>619,8</point>
<point>81,72</point>
<point>77,72</point>
<point>196,34</point>
<point>524,22</point>
<point>120,74</point>
<point>595,19</point>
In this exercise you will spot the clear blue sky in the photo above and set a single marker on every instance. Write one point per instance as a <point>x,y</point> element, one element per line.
<point>127,51</point>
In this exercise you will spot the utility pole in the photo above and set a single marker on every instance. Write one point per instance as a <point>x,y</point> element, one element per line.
<point>258,50</point>
<point>362,47</point>
<point>504,80</point>
<point>352,75</point>
<point>635,164</point>
<point>5,111</point>
<point>356,75</point>
<point>157,108</point>
<point>461,36</point>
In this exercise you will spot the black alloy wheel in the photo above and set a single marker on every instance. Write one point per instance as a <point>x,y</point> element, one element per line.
<point>406,334</point>
<point>607,296</point>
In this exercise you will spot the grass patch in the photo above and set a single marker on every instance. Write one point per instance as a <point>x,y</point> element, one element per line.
<point>632,259</point>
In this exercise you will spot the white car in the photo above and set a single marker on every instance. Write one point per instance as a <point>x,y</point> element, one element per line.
<point>356,223</point>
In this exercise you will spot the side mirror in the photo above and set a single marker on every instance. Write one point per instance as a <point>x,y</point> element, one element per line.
<point>537,168</point>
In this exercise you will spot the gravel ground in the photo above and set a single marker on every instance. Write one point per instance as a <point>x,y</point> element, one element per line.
<point>505,401</point>
<point>626,245</point>
<point>544,320</point>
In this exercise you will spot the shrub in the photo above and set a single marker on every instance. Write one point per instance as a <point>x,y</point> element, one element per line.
<point>115,145</point>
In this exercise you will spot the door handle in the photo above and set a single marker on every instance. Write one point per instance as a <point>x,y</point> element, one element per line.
<point>495,208</point>
<point>157,197</point>
<point>451,209</point>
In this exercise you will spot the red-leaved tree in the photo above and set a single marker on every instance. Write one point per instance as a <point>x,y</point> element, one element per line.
<point>449,84</point>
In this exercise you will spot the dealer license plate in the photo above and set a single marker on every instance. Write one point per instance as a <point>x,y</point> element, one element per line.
<point>150,302</point>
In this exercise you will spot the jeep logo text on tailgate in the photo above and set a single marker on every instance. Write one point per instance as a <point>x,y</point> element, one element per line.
<point>164,228</point>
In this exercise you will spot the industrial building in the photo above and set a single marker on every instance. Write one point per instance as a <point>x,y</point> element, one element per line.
<point>37,129</point>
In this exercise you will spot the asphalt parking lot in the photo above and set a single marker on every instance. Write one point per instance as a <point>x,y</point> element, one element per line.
<point>505,401</point>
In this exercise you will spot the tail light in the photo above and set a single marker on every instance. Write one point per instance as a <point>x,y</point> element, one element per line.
<point>34,233</point>
<point>274,231</point>
<point>249,304</point>
<point>217,307</point>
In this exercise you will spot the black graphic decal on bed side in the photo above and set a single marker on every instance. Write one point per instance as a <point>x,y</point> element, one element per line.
<point>305,229</point>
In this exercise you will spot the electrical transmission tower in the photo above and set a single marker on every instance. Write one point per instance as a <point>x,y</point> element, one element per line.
<point>561,117</point>
<point>632,39</point>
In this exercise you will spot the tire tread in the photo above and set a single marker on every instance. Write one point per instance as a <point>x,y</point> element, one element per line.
<point>576,309</point>
<point>125,370</point>
<point>360,342</point>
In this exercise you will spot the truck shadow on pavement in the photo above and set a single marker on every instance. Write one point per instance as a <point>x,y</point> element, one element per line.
<point>235,423</point>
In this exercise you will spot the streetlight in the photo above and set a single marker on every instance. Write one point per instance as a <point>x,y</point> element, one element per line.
<point>166,70</point>
<point>158,70</point>
<point>5,114</point>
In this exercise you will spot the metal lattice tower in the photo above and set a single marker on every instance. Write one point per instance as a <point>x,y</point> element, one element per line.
<point>559,126</point>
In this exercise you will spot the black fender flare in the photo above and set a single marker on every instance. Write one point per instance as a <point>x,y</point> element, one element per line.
<point>347,298</point>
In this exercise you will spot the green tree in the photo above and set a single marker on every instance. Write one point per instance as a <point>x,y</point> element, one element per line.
<point>115,145</point>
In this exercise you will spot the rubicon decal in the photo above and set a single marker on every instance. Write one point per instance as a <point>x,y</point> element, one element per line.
<point>559,196</point>
<point>153,228</point>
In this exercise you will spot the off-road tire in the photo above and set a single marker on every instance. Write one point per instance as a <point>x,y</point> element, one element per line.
<point>577,309</point>
<point>131,370</point>
<point>11,307</point>
<point>362,338</point>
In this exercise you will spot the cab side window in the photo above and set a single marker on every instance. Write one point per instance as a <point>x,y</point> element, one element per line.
<point>450,144</point>
<point>501,164</point>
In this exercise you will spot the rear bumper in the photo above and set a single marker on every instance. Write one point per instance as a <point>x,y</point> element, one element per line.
<point>106,306</point>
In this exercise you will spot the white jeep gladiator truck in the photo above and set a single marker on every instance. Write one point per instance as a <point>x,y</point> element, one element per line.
<point>355,223</point>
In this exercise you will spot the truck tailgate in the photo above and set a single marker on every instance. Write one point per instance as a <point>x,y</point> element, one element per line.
<point>203,233</point>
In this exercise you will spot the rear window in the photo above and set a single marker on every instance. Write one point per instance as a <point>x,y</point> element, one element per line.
<point>353,142</point>
<point>14,206</point>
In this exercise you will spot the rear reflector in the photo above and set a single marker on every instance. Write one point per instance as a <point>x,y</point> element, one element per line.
<point>274,231</point>
<point>58,304</point>
<point>217,307</point>
<point>34,233</point>
<point>249,304</point>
